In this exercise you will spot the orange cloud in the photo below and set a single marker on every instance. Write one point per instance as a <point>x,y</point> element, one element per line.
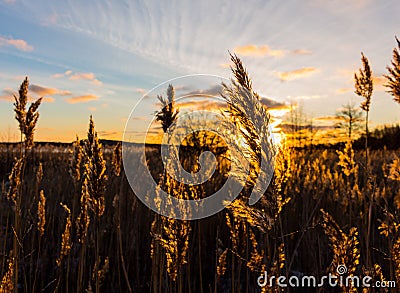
<point>296,74</point>
<point>16,43</point>
<point>45,91</point>
<point>7,98</point>
<point>379,83</point>
<point>343,90</point>
<point>331,119</point>
<point>79,76</point>
<point>82,99</point>
<point>258,51</point>
<point>49,99</point>
<point>8,95</point>
<point>108,133</point>
<point>225,65</point>
<point>301,52</point>
<point>85,76</point>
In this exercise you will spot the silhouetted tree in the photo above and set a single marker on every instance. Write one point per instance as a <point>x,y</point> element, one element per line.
<point>364,88</point>
<point>394,74</point>
<point>350,119</point>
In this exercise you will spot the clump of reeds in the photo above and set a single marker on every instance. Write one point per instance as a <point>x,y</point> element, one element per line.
<point>221,264</point>
<point>65,238</point>
<point>41,213</point>
<point>169,112</point>
<point>346,160</point>
<point>390,228</point>
<point>117,159</point>
<point>394,172</point>
<point>251,117</point>
<point>27,118</point>
<point>7,282</point>
<point>76,161</point>
<point>99,274</point>
<point>395,252</point>
<point>393,78</point>
<point>345,246</point>
<point>15,181</point>
<point>96,171</point>
<point>364,88</point>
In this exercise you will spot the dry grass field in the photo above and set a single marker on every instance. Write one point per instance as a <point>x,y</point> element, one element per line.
<point>71,223</point>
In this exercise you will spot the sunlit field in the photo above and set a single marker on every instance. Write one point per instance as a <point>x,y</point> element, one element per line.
<point>70,221</point>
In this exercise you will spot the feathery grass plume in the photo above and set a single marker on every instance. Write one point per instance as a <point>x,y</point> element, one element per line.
<point>377,275</point>
<point>364,88</point>
<point>251,118</point>
<point>15,180</point>
<point>277,269</point>
<point>346,160</point>
<point>364,84</point>
<point>256,257</point>
<point>96,169</point>
<point>175,241</point>
<point>345,247</point>
<point>20,105</point>
<point>279,264</point>
<point>395,251</point>
<point>90,138</point>
<point>389,226</point>
<point>393,78</point>
<point>101,272</point>
<point>27,119</point>
<point>83,219</point>
<point>41,213</point>
<point>234,231</point>
<point>256,218</point>
<point>7,283</point>
<point>117,159</point>
<point>168,113</point>
<point>39,173</point>
<point>32,117</point>
<point>175,234</point>
<point>76,161</point>
<point>394,172</point>
<point>221,266</point>
<point>65,238</point>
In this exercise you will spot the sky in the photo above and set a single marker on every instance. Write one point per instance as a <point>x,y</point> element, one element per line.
<point>101,57</point>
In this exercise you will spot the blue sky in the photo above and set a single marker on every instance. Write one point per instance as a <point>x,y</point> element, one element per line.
<point>100,57</point>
